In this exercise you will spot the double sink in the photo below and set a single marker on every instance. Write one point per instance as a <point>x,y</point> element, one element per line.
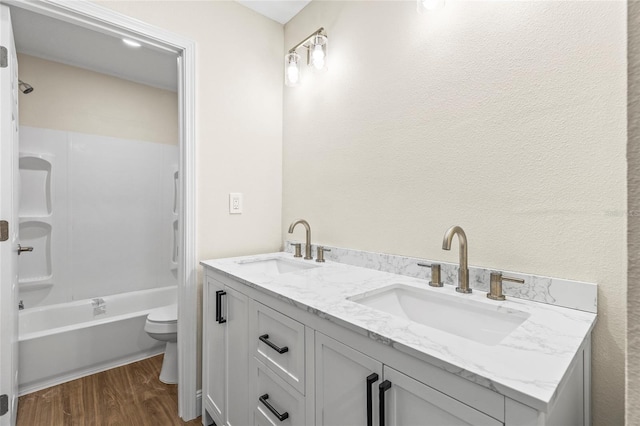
<point>455,314</point>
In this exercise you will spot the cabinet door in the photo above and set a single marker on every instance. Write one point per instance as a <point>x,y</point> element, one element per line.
<point>411,403</point>
<point>237,381</point>
<point>213,357</point>
<point>341,384</point>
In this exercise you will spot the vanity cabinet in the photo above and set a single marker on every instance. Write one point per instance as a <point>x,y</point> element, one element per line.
<point>351,387</point>
<point>225,356</point>
<point>269,362</point>
<point>346,384</point>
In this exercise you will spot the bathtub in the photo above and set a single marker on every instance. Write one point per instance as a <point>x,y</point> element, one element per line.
<point>63,342</point>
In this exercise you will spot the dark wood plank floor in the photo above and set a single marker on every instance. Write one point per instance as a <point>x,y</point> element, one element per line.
<point>129,395</point>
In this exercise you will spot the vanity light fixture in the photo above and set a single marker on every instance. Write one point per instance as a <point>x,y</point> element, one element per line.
<point>425,6</point>
<point>316,45</point>
<point>131,43</point>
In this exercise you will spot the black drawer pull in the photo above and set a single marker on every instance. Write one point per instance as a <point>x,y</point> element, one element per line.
<point>371,379</point>
<point>219,295</point>
<point>265,338</point>
<point>384,386</point>
<point>281,417</point>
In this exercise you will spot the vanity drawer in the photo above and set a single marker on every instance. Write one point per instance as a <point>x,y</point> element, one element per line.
<point>272,396</point>
<point>278,342</point>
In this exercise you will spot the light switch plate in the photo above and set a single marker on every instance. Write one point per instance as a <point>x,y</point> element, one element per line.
<point>235,203</point>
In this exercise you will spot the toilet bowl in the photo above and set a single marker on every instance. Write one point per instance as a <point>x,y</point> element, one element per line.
<point>162,325</point>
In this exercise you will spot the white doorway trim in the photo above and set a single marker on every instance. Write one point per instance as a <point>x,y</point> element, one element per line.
<point>98,18</point>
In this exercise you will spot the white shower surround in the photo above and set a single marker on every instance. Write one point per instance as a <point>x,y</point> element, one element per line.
<point>112,216</point>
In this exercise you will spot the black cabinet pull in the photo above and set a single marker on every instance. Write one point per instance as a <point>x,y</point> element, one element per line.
<point>281,417</point>
<point>371,379</point>
<point>264,338</point>
<point>384,386</point>
<point>219,295</point>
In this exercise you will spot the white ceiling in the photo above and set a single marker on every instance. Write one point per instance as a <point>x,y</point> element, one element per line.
<point>60,41</point>
<point>279,11</point>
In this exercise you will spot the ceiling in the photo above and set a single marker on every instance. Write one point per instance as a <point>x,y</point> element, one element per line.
<point>52,39</point>
<point>60,41</point>
<point>279,11</point>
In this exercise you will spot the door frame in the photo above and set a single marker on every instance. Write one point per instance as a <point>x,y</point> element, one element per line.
<point>99,18</point>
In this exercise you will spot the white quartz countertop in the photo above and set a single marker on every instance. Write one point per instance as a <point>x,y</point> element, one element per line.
<point>529,365</point>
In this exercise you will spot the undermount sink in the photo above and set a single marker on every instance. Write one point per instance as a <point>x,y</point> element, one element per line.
<point>464,318</point>
<point>274,266</point>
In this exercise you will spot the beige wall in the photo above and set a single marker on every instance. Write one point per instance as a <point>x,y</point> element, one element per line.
<point>633,153</point>
<point>238,118</point>
<point>78,100</point>
<point>507,118</point>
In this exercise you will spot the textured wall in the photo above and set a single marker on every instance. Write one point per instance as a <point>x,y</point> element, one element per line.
<point>633,155</point>
<point>507,118</point>
<point>74,99</point>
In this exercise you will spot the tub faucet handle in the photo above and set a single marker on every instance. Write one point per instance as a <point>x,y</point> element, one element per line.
<point>21,305</point>
<point>23,249</point>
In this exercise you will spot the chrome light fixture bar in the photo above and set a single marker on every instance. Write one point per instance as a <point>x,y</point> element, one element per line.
<point>316,45</point>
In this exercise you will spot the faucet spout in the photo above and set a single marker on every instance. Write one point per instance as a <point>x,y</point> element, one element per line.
<point>307,246</point>
<point>463,271</point>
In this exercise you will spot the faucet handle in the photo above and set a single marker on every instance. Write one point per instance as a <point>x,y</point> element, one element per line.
<point>298,248</point>
<point>320,256</point>
<point>435,274</point>
<point>495,285</point>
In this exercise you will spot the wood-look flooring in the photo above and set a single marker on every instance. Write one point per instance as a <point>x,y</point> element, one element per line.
<point>131,395</point>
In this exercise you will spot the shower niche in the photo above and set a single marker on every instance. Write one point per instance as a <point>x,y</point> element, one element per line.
<point>35,216</point>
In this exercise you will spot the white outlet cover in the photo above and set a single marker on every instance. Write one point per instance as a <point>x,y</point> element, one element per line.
<point>235,203</point>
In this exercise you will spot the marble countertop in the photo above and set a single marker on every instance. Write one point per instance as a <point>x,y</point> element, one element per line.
<point>528,365</point>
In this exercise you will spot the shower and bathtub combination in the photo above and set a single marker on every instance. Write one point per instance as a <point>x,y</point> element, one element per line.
<point>101,216</point>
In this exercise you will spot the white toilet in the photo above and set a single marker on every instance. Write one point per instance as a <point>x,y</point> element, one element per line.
<point>162,324</point>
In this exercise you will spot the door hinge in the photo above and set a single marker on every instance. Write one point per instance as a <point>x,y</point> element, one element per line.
<point>4,57</point>
<point>4,404</point>
<point>4,230</point>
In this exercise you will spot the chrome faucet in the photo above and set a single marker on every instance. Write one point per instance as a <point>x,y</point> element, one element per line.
<point>307,246</point>
<point>21,305</point>
<point>463,271</point>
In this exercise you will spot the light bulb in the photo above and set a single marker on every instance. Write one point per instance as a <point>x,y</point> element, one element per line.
<point>293,74</point>
<point>317,57</point>
<point>318,52</point>
<point>291,69</point>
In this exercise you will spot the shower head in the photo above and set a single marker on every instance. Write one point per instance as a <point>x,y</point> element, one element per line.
<point>25,87</point>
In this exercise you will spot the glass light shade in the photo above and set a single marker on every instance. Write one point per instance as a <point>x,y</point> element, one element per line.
<point>318,52</point>
<point>429,5</point>
<point>292,69</point>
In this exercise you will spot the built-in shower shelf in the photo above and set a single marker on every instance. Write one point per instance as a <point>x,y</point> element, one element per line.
<point>44,219</point>
<point>32,285</point>
<point>35,184</point>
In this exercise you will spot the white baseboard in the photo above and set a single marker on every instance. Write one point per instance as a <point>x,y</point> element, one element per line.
<point>199,402</point>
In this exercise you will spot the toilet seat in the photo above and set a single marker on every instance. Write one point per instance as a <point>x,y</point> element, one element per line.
<point>162,320</point>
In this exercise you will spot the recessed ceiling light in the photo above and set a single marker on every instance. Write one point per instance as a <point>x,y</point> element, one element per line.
<point>131,43</point>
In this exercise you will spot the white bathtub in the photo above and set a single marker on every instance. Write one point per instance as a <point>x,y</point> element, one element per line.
<point>63,342</point>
